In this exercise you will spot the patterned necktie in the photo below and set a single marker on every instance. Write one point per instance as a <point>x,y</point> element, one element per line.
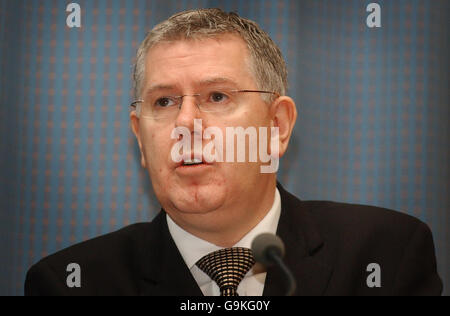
<point>227,267</point>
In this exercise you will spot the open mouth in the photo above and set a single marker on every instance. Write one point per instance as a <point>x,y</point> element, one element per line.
<point>189,162</point>
<point>192,162</point>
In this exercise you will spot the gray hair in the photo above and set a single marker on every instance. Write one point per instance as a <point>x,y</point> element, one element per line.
<point>266,63</point>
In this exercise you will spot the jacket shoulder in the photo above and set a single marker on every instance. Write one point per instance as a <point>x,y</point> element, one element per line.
<point>358,235</point>
<point>358,218</point>
<point>104,261</point>
<point>101,246</point>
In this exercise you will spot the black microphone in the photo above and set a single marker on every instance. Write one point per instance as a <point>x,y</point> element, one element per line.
<point>268,249</point>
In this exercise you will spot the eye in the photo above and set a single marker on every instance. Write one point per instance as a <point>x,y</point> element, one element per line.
<point>164,102</point>
<point>218,97</point>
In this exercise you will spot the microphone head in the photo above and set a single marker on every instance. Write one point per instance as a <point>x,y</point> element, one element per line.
<point>265,244</point>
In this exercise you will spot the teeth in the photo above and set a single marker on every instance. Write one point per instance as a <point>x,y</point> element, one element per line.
<point>192,162</point>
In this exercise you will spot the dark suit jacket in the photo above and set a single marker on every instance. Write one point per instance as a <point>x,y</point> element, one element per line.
<point>328,248</point>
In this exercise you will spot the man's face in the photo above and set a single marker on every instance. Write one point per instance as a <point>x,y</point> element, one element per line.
<point>196,193</point>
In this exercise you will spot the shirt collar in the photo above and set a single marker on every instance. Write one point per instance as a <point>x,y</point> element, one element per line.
<point>193,248</point>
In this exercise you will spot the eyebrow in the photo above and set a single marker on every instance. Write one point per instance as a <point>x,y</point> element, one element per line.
<point>205,82</point>
<point>158,87</point>
<point>216,80</point>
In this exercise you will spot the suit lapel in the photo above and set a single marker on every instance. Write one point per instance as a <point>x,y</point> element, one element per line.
<point>304,251</point>
<point>164,271</point>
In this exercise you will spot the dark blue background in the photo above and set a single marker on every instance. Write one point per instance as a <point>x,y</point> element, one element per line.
<point>373,122</point>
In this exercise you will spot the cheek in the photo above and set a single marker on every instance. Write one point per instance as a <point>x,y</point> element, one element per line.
<point>148,142</point>
<point>256,115</point>
<point>155,148</point>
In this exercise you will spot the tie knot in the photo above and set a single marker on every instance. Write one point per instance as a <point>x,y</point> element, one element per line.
<point>227,267</point>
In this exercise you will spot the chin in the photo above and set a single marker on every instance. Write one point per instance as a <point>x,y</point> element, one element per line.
<point>198,198</point>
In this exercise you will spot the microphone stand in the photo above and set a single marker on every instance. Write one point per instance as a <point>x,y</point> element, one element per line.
<point>274,255</point>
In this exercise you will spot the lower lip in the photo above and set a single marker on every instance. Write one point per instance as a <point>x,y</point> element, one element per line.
<point>189,169</point>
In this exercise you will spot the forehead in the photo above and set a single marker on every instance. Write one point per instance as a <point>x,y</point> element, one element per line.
<point>198,60</point>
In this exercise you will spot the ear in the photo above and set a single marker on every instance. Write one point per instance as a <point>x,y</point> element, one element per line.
<point>134,120</point>
<point>284,114</point>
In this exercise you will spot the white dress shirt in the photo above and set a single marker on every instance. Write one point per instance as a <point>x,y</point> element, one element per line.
<point>193,248</point>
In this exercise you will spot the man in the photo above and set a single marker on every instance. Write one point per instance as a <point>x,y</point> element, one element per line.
<point>198,74</point>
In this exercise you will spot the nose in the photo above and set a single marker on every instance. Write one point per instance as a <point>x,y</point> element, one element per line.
<point>188,112</point>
